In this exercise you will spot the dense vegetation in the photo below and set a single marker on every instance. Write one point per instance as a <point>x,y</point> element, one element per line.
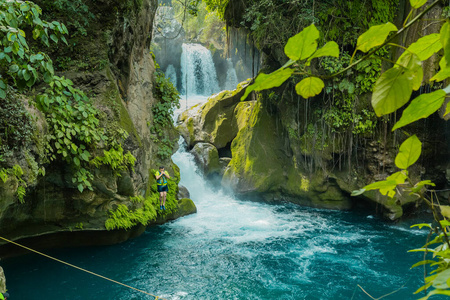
<point>73,131</point>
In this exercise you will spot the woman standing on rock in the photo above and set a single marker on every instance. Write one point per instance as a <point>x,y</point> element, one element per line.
<point>161,181</point>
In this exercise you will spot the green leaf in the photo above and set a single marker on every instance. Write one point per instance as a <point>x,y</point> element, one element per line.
<point>309,87</point>
<point>267,81</point>
<point>421,107</point>
<point>417,3</point>
<point>398,177</point>
<point>421,225</point>
<point>375,36</point>
<point>13,68</point>
<point>440,282</point>
<point>447,110</point>
<point>413,64</point>
<point>445,211</point>
<point>445,40</point>
<point>54,38</point>
<point>2,94</point>
<point>444,72</point>
<point>80,187</point>
<point>391,91</point>
<point>2,85</point>
<point>303,44</point>
<point>385,187</point>
<point>329,49</point>
<point>423,262</point>
<point>409,152</point>
<point>418,186</point>
<point>426,46</point>
<point>76,160</point>
<point>36,33</point>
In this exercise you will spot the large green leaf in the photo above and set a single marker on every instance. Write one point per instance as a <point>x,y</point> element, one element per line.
<point>421,107</point>
<point>309,87</point>
<point>267,81</point>
<point>426,46</point>
<point>445,40</point>
<point>445,211</point>
<point>417,3</point>
<point>391,91</point>
<point>409,152</point>
<point>303,44</point>
<point>375,36</point>
<point>329,49</point>
<point>413,64</point>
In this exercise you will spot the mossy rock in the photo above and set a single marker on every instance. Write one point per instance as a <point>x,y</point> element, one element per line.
<point>207,156</point>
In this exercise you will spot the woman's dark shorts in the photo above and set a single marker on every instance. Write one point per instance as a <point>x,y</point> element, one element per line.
<point>163,188</point>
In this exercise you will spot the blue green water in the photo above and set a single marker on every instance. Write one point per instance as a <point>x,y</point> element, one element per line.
<point>233,249</point>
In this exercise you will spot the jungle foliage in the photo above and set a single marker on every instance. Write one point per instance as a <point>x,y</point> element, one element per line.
<point>73,124</point>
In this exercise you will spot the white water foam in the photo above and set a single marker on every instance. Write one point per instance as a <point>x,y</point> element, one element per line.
<point>199,75</point>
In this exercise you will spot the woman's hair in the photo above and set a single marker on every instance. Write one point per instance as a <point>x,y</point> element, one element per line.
<point>161,167</point>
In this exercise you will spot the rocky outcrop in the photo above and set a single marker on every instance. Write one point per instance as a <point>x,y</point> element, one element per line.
<point>123,93</point>
<point>259,161</point>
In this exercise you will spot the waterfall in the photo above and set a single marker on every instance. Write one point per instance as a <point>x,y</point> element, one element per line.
<point>171,74</point>
<point>198,71</point>
<point>231,81</point>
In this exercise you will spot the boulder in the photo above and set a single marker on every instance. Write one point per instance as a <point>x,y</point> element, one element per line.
<point>207,157</point>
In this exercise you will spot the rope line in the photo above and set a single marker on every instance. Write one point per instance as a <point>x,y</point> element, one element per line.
<point>81,269</point>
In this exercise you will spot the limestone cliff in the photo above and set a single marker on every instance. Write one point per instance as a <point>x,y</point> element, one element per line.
<point>116,69</point>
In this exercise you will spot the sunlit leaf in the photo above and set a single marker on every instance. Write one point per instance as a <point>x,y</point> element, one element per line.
<point>417,3</point>
<point>409,152</point>
<point>329,49</point>
<point>445,211</point>
<point>447,110</point>
<point>385,187</point>
<point>440,282</point>
<point>267,81</point>
<point>445,40</point>
<point>391,91</point>
<point>413,64</point>
<point>426,46</point>
<point>375,36</point>
<point>436,292</point>
<point>423,262</point>
<point>303,44</point>
<point>309,87</point>
<point>421,225</point>
<point>421,107</point>
<point>418,186</point>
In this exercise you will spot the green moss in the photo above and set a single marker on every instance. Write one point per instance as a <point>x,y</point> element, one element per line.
<point>111,98</point>
<point>124,218</point>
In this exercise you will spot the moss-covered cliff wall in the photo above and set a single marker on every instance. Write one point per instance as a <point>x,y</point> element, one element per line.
<point>112,64</point>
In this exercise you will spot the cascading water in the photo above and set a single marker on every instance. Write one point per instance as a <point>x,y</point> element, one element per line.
<point>232,80</point>
<point>198,71</point>
<point>171,73</point>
